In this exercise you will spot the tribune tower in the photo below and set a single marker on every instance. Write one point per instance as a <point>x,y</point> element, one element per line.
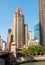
<point>18,28</point>
<point>18,34</point>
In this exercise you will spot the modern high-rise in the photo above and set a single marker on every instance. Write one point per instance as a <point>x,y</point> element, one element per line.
<point>42,21</point>
<point>37,32</point>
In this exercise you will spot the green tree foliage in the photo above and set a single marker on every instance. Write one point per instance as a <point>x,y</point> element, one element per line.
<point>31,49</point>
<point>34,49</point>
<point>24,51</point>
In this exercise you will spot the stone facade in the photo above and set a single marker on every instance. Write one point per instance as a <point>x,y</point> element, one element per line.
<point>18,35</point>
<point>26,35</point>
<point>19,28</point>
<point>11,44</point>
<point>33,42</point>
<point>42,21</point>
<point>29,37</point>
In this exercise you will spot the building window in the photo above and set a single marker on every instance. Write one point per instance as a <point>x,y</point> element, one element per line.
<point>44,7</point>
<point>11,38</point>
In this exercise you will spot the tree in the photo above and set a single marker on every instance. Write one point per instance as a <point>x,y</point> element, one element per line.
<point>34,49</point>
<point>24,51</point>
<point>31,49</point>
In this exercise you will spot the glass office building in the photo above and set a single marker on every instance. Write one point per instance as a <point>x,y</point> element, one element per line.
<point>36,31</point>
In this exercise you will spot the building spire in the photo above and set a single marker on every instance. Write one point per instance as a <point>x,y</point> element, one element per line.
<point>19,10</point>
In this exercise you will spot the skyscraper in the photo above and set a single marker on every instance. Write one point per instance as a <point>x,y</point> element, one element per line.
<point>29,37</point>
<point>18,35</point>
<point>19,28</point>
<point>42,21</point>
<point>37,32</point>
<point>26,35</point>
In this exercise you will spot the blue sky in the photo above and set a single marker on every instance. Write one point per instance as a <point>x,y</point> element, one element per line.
<point>7,10</point>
